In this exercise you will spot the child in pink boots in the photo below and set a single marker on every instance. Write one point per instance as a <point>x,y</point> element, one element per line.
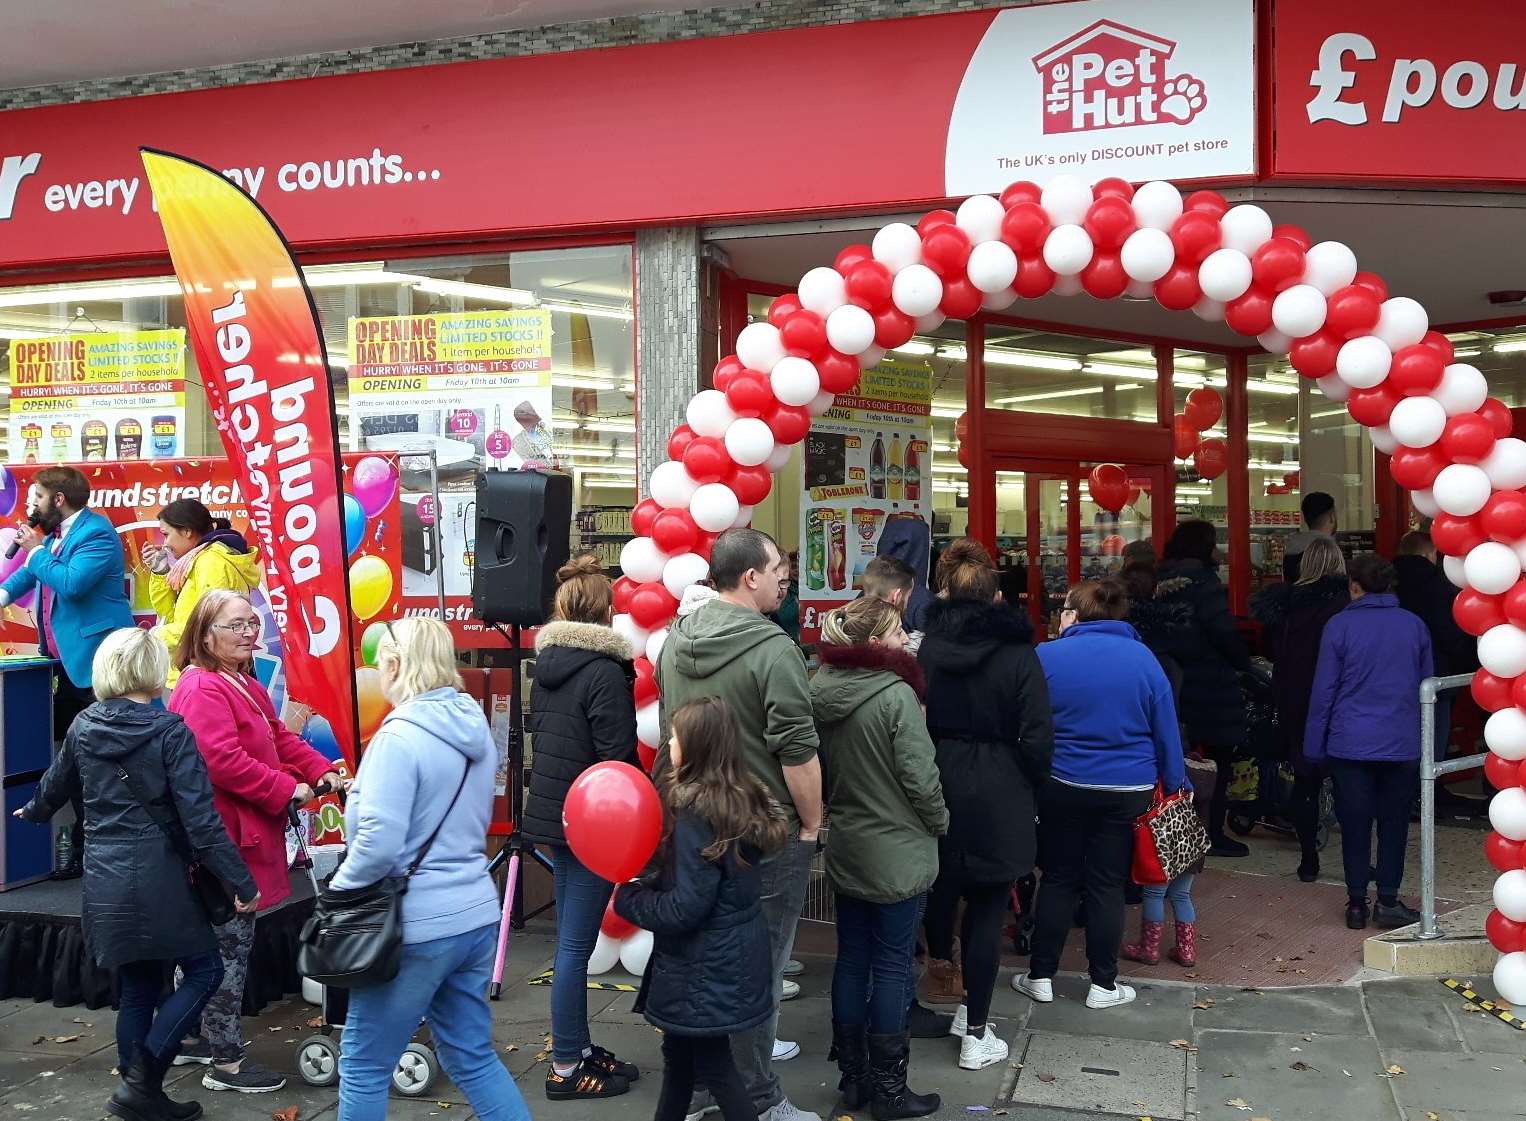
<point>1202,775</point>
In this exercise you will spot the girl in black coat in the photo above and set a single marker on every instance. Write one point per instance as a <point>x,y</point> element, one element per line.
<point>140,916</point>
<point>709,975</point>
<point>582,713</point>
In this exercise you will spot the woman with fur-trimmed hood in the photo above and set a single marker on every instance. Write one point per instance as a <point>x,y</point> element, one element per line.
<point>583,712</point>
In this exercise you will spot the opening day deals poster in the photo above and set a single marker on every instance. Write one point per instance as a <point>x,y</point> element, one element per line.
<point>95,396</point>
<point>868,459</point>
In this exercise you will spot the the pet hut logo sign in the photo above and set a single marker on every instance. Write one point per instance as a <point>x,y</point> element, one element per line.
<point>1112,76</point>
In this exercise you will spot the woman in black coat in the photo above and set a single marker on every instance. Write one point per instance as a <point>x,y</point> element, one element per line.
<point>1212,655</point>
<point>582,713</point>
<point>139,914</point>
<point>988,715</point>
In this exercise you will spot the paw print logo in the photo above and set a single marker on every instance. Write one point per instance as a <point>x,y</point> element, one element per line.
<point>1182,98</point>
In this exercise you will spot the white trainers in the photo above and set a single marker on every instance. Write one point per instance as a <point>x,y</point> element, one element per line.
<point>791,990</point>
<point>979,1051</point>
<point>1109,998</point>
<point>793,968</point>
<point>960,1025</point>
<point>703,1111</point>
<point>785,1050</point>
<point>786,1111</point>
<point>1041,990</point>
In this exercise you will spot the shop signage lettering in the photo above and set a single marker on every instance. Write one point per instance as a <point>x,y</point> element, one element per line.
<point>1412,83</point>
<point>1109,76</point>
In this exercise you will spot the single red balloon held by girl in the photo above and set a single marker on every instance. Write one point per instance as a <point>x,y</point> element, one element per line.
<point>612,819</point>
<point>612,924</point>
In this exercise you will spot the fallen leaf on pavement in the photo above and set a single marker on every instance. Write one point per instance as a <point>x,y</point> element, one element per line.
<point>1395,1069</point>
<point>1182,1045</point>
<point>1046,1078</point>
<point>290,1113</point>
<point>315,1022</point>
<point>512,1047</point>
<point>1429,1116</point>
<point>1239,1103</point>
<point>1202,1004</point>
<point>65,1038</point>
<point>1301,1065</point>
<point>82,1023</point>
<point>1308,1039</point>
<point>1347,1073</point>
<point>1226,1076</point>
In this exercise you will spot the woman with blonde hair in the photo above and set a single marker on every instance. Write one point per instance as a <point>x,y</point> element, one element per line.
<point>420,806</point>
<point>583,713</point>
<point>887,810</point>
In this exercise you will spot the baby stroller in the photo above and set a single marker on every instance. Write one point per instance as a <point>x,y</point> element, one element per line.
<point>318,1054</point>
<point>1261,777</point>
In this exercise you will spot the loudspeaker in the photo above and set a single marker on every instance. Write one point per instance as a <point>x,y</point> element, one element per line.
<point>523,522</point>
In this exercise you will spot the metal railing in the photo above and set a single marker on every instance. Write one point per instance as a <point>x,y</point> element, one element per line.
<point>1430,771</point>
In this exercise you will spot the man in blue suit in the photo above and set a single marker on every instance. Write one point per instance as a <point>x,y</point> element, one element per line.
<point>74,560</point>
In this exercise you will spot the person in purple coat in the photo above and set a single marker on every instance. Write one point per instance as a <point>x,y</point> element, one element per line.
<point>1364,722</point>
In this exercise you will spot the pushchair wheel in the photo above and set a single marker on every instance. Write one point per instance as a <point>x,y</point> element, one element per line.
<point>318,1060</point>
<point>1242,824</point>
<point>416,1071</point>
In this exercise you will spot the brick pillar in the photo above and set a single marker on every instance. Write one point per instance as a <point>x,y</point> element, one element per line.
<point>669,321</point>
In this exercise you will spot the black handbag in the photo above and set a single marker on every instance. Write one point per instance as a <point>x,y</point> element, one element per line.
<point>215,898</point>
<point>354,939</point>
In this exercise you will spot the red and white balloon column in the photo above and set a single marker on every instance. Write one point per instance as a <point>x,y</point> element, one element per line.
<point>1450,442</point>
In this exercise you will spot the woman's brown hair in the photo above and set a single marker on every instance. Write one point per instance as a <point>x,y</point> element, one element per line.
<point>583,593</point>
<point>713,783</point>
<point>965,571</point>
<point>1099,599</point>
<point>858,621</point>
<point>192,650</point>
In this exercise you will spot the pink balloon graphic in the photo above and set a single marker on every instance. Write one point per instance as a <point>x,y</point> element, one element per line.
<point>373,483</point>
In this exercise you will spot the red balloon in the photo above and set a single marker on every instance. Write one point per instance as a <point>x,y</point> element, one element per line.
<point>1467,438</point>
<point>1277,264</point>
<point>1440,344</point>
<point>642,516</point>
<point>1204,408</point>
<point>1416,468</point>
<point>1371,406</point>
<point>1497,413</point>
<point>850,256</point>
<point>838,371</point>
<point>1492,693</point>
<point>1251,314</point>
<point>1178,290</point>
<point>1456,536</point>
<point>893,327</point>
<point>804,334</point>
<point>1210,201</point>
<point>961,299</point>
<point>613,820</point>
<point>624,586</point>
<point>706,459</point>
<point>1296,234</point>
<point>674,531</point>
<point>1108,485</point>
<point>706,542</point>
<point>612,924</point>
<point>1314,355</point>
<point>781,308</point>
<point>652,605</point>
<point>646,681</point>
<point>1034,277</point>
<point>751,484</point>
<point>1352,311</point>
<point>1195,235</point>
<point>790,423</point>
<point>1503,774</point>
<point>1113,187</point>
<point>933,219</point>
<point>1109,221</point>
<point>1416,370</point>
<point>946,250</point>
<point>1211,458</point>
<point>1475,613</point>
<point>869,284</point>
<point>1104,277</point>
<point>1184,437</point>
<point>1373,283</point>
<point>647,755</point>
<point>728,368</point>
<point>1514,603</point>
<point>682,437</point>
<point>1020,192</point>
<point>1505,935</point>
<point>1024,228</point>
<point>749,393</point>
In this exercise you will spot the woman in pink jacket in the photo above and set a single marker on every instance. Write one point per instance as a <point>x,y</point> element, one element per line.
<point>252,758</point>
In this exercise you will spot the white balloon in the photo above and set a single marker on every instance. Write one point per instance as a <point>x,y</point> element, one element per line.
<point>1157,205</point>
<point>1147,254</point>
<point>759,346</point>
<point>821,402</point>
<point>714,507</point>
<point>1063,286</point>
<point>1510,888</point>
<point>744,517</point>
<point>779,456</point>
<point>1505,732</point>
<point>1452,566</point>
<point>1502,650</point>
<point>709,413</point>
<point>871,357</point>
<point>1461,489</point>
<point>850,329</point>
<point>1510,977</point>
<point>1246,227</point>
<point>1003,298</point>
<point>1401,322</point>
<point>1333,387</point>
<point>1462,389</point>
<point>1274,341</point>
<point>1506,464</point>
<point>1209,310</point>
<point>1299,311</point>
<point>653,646</point>
<point>628,629</point>
<point>749,441</point>
<point>794,380</point>
<point>823,290</point>
<point>1225,274</point>
<point>605,956</point>
<point>917,290</point>
<point>642,560</point>
<point>672,487</point>
<point>1423,500</point>
<point>1139,290</point>
<point>1492,569</point>
<point>635,952</point>
<point>1066,198</point>
<point>683,571</point>
<point>1067,250</point>
<point>992,267</point>
<point>1384,441</point>
<point>930,322</point>
<point>1329,266</point>
<point>649,724</point>
<point>1363,362</point>
<point>980,216</point>
<point>897,245</point>
<point>1417,422</point>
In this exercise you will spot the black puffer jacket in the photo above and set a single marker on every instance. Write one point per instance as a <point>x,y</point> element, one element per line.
<point>138,904</point>
<point>583,713</point>
<point>1293,617</point>
<point>989,718</point>
<point>710,971</point>
<point>1210,652</point>
<point>1425,591</point>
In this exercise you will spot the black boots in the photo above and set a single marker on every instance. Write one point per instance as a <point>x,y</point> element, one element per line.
<point>141,1095</point>
<point>923,1023</point>
<point>850,1047</point>
<point>891,1100</point>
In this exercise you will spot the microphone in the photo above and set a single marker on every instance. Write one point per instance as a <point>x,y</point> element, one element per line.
<point>15,546</point>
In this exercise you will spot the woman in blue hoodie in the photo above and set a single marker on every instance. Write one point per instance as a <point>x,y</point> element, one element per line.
<point>1115,738</point>
<point>427,773</point>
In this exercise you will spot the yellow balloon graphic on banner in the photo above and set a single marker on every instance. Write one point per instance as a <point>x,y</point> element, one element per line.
<point>370,586</point>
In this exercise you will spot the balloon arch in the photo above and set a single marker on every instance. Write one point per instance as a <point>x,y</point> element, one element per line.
<point>1449,441</point>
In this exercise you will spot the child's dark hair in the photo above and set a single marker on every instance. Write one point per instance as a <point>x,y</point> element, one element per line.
<point>713,783</point>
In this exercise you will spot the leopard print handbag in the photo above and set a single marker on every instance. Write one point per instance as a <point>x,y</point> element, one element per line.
<point>1168,838</point>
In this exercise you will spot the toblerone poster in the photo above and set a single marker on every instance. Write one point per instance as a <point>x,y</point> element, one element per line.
<point>868,459</point>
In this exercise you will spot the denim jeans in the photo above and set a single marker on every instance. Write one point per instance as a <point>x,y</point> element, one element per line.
<point>1368,793</point>
<point>159,1027</point>
<point>445,982</point>
<point>1178,891</point>
<point>581,898</point>
<point>875,943</point>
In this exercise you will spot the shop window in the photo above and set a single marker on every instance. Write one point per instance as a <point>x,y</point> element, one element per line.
<point>1038,371</point>
<point>1500,355</point>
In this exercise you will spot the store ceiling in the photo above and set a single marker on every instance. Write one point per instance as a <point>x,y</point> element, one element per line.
<point>56,41</point>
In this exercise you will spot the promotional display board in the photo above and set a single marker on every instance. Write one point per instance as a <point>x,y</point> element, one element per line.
<point>97,395</point>
<point>867,460</point>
